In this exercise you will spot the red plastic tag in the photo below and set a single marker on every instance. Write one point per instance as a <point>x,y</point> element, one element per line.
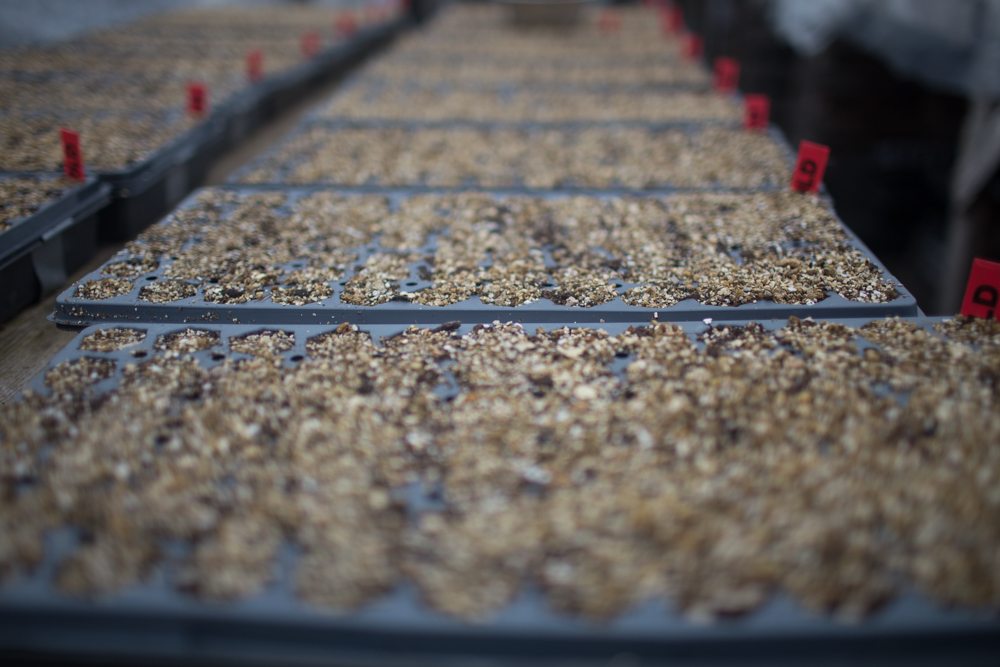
<point>982,292</point>
<point>672,18</point>
<point>727,74</point>
<point>757,112</point>
<point>197,99</point>
<point>72,156</point>
<point>609,21</point>
<point>345,25</point>
<point>255,65</point>
<point>310,43</point>
<point>693,46</point>
<point>809,167</point>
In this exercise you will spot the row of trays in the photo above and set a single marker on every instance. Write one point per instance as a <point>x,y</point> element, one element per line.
<point>56,235</point>
<point>713,404</point>
<point>612,156</point>
<point>271,248</point>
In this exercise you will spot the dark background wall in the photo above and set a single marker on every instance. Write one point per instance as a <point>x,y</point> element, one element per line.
<point>893,141</point>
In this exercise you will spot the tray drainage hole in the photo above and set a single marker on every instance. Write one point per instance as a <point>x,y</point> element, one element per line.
<point>411,284</point>
<point>150,277</point>
<point>297,358</point>
<point>218,356</point>
<point>139,354</point>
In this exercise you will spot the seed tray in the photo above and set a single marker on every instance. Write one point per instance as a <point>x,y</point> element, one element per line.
<point>113,139</point>
<point>523,49</point>
<point>237,23</point>
<point>689,76</point>
<point>517,104</point>
<point>371,77</point>
<point>39,252</point>
<point>307,281</point>
<point>146,191</point>
<point>416,123</point>
<point>142,190</point>
<point>159,90</point>
<point>152,620</point>
<point>516,56</point>
<point>547,43</point>
<point>257,105</point>
<point>211,47</point>
<point>616,156</point>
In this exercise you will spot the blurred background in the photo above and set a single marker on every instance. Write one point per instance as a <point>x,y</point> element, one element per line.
<point>905,94</point>
<point>903,91</point>
<point>40,21</point>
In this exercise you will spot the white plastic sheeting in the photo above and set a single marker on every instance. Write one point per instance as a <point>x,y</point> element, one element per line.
<point>950,44</point>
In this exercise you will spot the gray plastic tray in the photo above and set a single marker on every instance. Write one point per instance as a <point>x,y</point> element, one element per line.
<point>249,109</point>
<point>283,167</point>
<point>689,126</point>
<point>27,231</point>
<point>376,84</point>
<point>432,54</point>
<point>150,189</point>
<point>370,75</point>
<point>153,621</point>
<point>147,191</point>
<point>40,252</point>
<point>71,310</point>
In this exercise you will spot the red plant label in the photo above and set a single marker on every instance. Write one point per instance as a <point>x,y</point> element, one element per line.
<point>672,19</point>
<point>255,65</point>
<point>757,112</point>
<point>609,21</point>
<point>72,156</point>
<point>809,167</point>
<point>310,44</point>
<point>693,47</point>
<point>727,74</point>
<point>197,99</point>
<point>982,292</point>
<point>345,25</point>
